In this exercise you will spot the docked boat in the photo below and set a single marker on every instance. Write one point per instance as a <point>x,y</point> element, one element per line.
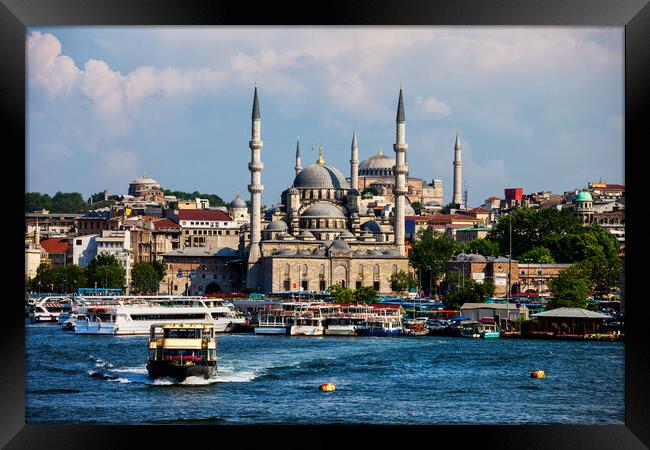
<point>308,321</point>
<point>480,330</point>
<point>383,322</point>
<point>416,327</point>
<point>68,321</point>
<point>181,350</point>
<point>348,319</point>
<point>49,309</point>
<point>136,315</point>
<point>272,322</point>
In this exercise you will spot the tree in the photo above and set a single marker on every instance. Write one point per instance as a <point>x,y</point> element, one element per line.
<point>570,289</point>
<point>365,294</point>
<point>483,247</point>
<point>603,273</point>
<point>430,254</point>
<point>68,202</point>
<point>448,207</point>
<point>106,271</point>
<point>540,255</point>
<point>146,277</point>
<point>470,291</point>
<point>75,278</point>
<point>341,294</point>
<point>63,279</point>
<point>214,199</point>
<point>402,281</point>
<point>416,206</point>
<point>35,201</point>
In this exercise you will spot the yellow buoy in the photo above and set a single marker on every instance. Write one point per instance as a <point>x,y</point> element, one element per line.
<point>327,387</point>
<point>538,374</point>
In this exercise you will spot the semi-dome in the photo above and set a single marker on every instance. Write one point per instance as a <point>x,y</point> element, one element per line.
<point>340,245</point>
<point>320,176</point>
<point>378,164</point>
<point>306,235</point>
<point>583,196</point>
<point>477,258</point>
<point>408,210</point>
<point>238,203</point>
<point>371,226</point>
<point>277,225</point>
<point>321,209</point>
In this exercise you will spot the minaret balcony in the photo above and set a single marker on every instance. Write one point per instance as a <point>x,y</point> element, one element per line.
<point>255,166</point>
<point>255,145</point>
<point>255,188</point>
<point>400,191</point>
<point>400,170</point>
<point>400,147</point>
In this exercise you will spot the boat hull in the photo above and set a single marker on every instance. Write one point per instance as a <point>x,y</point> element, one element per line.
<point>306,330</point>
<point>378,332</point>
<point>341,330</point>
<point>271,330</point>
<point>167,369</point>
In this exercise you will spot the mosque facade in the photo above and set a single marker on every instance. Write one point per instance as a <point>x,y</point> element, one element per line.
<point>320,234</point>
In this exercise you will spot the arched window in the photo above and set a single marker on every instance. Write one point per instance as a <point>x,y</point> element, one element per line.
<point>304,270</point>
<point>375,271</point>
<point>394,268</point>
<point>360,270</point>
<point>287,271</point>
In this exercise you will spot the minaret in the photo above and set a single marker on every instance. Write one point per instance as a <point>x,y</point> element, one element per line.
<point>400,170</point>
<point>354,163</point>
<point>458,198</point>
<point>255,188</point>
<point>37,236</point>
<point>298,166</point>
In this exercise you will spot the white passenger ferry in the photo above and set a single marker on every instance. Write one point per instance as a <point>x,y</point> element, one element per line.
<point>135,315</point>
<point>294,318</point>
<point>48,309</point>
<point>348,319</point>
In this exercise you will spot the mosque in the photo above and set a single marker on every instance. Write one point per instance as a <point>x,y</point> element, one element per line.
<point>320,234</point>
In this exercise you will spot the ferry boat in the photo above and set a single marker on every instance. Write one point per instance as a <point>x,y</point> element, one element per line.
<point>272,322</point>
<point>68,321</point>
<point>348,320</point>
<point>480,330</point>
<point>415,327</point>
<point>135,315</point>
<point>49,309</point>
<point>309,320</point>
<point>383,322</point>
<point>181,350</point>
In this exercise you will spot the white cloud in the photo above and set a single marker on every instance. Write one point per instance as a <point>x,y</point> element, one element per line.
<point>433,106</point>
<point>47,68</point>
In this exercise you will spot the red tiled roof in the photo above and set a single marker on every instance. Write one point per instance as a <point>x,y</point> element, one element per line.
<point>165,223</point>
<point>203,214</point>
<point>55,245</point>
<point>478,210</point>
<point>442,218</point>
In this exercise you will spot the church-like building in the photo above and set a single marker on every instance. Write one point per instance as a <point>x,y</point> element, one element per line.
<point>320,235</point>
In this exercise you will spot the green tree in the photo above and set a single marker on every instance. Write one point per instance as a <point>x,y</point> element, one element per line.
<point>68,202</point>
<point>469,291</point>
<point>603,273</point>
<point>570,289</point>
<point>75,278</point>
<point>417,206</point>
<point>448,207</point>
<point>483,247</point>
<point>106,271</point>
<point>35,201</point>
<point>540,255</point>
<point>341,294</point>
<point>146,277</point>
<point>402,282</point>
<point>365,294</point>
<point>214,199</point>
<point>369,192</point>
<point>430,254</point>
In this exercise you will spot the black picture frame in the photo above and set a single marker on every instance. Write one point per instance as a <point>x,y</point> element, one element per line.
<point>16,15</point>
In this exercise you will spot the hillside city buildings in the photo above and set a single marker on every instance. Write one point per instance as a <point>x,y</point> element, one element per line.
<point>324,230</point>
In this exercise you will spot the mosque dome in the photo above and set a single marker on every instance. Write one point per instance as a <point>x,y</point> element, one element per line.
<point>378,164</point>
<point>408,210</point>
<point>320,210</point>
<point>238,203</point>
<point>583,196</point>
<point>320,176</point>
<point>144,179</point>
<point>340,245</point>
<point>276,225</point>
<point>477,258</point>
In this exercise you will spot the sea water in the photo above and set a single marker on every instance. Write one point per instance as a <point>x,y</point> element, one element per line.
<point>379,380</point>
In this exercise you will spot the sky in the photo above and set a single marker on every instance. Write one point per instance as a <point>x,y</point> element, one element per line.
<point>540,108</point>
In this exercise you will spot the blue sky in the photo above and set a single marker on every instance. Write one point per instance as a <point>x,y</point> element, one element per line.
<point>537,107</point>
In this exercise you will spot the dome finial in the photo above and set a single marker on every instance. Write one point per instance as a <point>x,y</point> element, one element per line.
<point>145,174</point>
<point>320,155</point>
<point>380,152</point>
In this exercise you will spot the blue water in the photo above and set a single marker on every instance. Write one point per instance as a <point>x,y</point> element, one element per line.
<point>275,379</point>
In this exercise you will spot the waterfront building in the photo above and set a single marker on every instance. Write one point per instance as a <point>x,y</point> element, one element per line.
<point>510,312</point>
<point>492,268</point>
<point>569,321</point>
<point>201,271</point>
<point>52,223</point>
<point>445,223</point>
<point>166,236</point>
<point>33,254</point>
<point>536,276</point>
<point>319,235</point>
<point>208,228</point>
<point>97,221</point>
